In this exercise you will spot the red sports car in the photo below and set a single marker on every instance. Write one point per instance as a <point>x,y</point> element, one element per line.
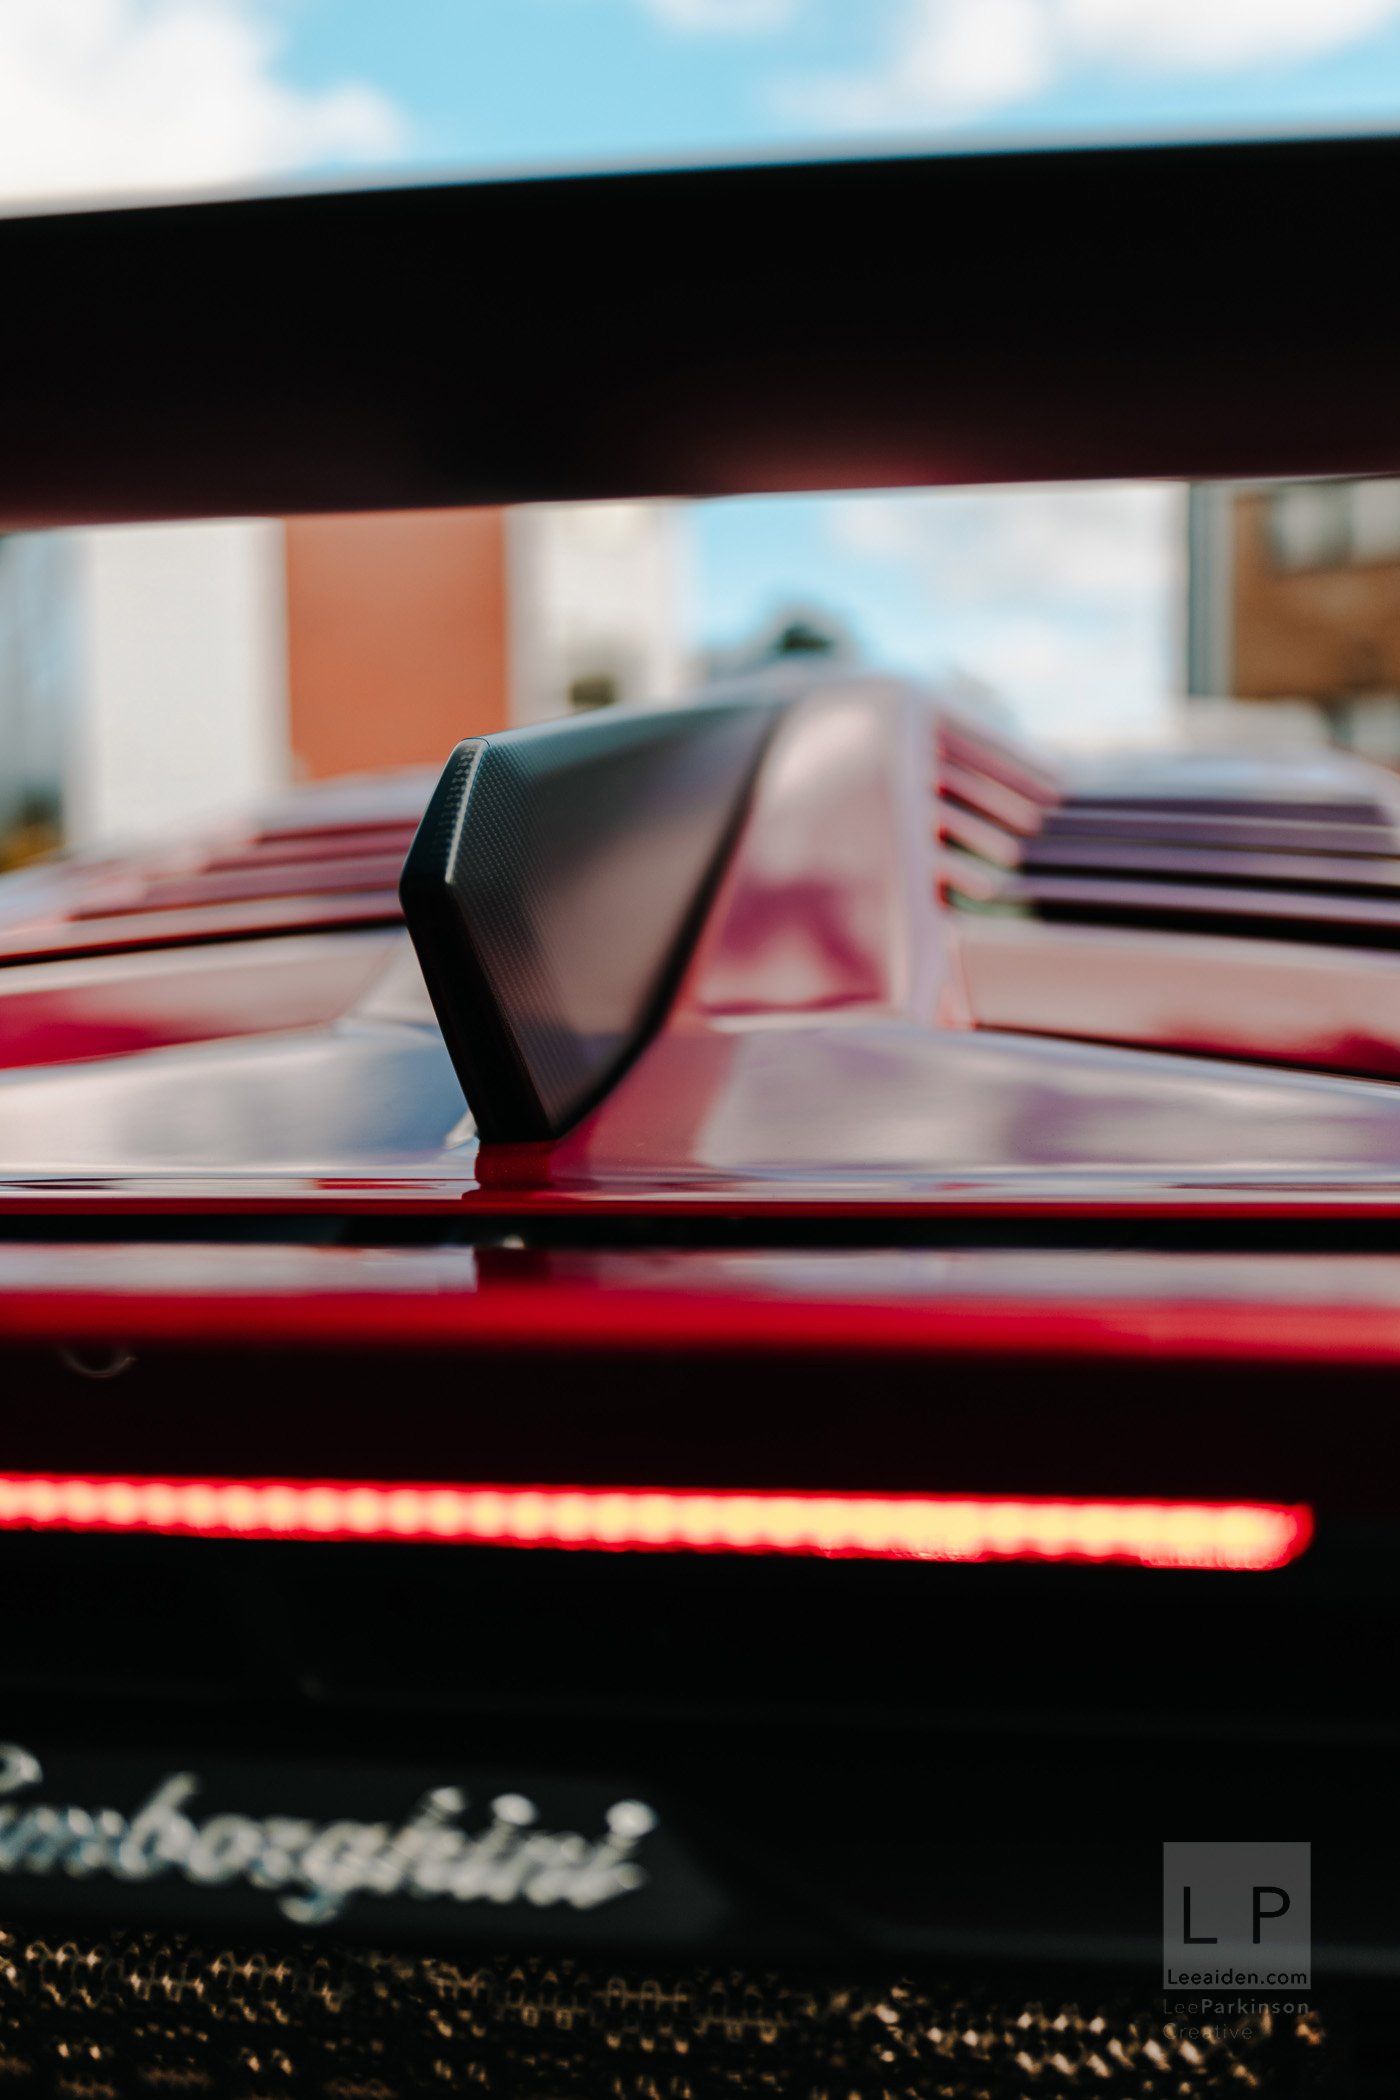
<point>652,1482</point>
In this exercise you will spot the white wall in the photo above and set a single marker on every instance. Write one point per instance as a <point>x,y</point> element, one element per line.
<point>596,590</point>
<point>183,684</point>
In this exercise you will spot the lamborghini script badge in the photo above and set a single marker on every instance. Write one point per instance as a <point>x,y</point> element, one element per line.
<point>313,1868</point>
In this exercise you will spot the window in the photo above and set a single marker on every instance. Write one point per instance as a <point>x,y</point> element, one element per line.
<point>1310,525</point>
<point>1328,524</point>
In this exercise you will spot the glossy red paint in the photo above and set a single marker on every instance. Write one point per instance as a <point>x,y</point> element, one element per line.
<point>824,909</point>
<point>1004,1304</point>
<point>103,1006</point>
<point>1263,1001</point>
<point>1221,1537</point>
<point>882,1112</point>
<point>818,1051</point>
<point>817,1061</point>
<point>195,925</point>
<point>714,1121</point>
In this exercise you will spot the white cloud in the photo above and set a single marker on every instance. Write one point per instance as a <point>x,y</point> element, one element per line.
<point>974,50</point>
<point>949,59</point>
<point>1065,601</point>
<point>722,16</point>
<point>952,60</point>
<point>1096,545</point>
<point>1216,34</point>
<point>1067,687</point>
<point>159,95</point>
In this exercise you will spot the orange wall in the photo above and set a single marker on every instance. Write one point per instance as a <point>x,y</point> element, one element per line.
<point>396,636</point>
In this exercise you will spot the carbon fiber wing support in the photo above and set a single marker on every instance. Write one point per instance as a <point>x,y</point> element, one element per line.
<point>554,888</point>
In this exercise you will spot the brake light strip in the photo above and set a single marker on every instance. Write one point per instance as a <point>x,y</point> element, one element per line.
<point>967,1528</point>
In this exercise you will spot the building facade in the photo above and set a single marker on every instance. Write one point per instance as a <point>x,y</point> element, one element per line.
<point>158,677</point>
<point>1295,597</point>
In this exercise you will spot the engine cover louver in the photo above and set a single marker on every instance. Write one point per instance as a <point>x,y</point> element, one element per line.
<point>1305,852</point>
<point>1236,908</point>
<point>328,856</point>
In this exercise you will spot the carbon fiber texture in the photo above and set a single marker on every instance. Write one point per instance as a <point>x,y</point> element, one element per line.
<point>554,889</point>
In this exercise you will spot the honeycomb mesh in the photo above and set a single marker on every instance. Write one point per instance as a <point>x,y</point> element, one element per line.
<point>133,2014</point>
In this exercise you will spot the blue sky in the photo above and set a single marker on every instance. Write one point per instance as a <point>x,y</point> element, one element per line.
<point>1072,604</point>
<point>487,82</point>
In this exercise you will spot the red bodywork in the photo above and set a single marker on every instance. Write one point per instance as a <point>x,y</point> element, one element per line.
<point>222,1047</point>
<point>959,1193</point>
<point>834,1050</point>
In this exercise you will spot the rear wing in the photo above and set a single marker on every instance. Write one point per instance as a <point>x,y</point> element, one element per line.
<point>1167,310</point>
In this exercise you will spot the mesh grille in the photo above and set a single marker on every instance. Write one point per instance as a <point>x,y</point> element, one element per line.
<point>149,2014</point>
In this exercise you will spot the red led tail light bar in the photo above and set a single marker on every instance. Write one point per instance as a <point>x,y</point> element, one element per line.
<point>967,1528</point>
